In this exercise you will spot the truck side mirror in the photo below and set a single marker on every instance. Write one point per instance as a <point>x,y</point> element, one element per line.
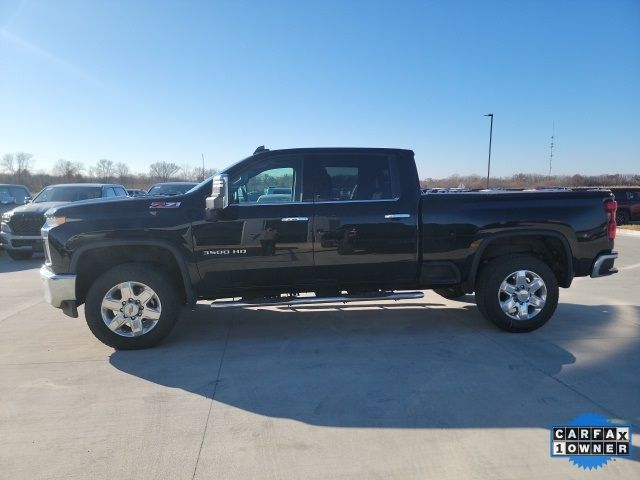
<point>219,198</point>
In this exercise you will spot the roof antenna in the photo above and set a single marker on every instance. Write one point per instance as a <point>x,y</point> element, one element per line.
<point>260,149</point>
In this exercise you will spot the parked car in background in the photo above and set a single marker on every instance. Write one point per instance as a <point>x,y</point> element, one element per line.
<point>170,188</point>
<point>136,192</point>
<point>628,204</point>
<point>12,196</point>
<point>20,230</point>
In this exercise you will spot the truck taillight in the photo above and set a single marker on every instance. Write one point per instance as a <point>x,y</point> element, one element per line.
<point>610,206</point>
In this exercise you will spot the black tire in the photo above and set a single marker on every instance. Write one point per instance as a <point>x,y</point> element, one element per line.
<point>450,292</point>
<point>20,254</point>
<point>488,288</point>
<point>622,217</point>
<point>167,292</point>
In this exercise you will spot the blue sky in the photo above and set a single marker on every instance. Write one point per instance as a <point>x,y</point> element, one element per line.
<point>139,82</point>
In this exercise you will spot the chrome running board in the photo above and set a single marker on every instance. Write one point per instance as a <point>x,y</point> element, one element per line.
<point>290,301</point>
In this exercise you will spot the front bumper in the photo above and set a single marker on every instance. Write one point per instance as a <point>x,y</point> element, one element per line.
<point>59,290</point>
<point>603,266</point>
<point>20,243</point>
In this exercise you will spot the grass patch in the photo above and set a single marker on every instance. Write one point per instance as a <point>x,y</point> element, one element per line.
<point>631,227</point>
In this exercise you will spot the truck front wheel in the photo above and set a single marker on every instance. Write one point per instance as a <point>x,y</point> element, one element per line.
<point>132,306</point>
<point>519,293</point>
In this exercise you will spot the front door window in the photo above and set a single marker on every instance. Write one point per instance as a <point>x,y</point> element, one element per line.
<point>275,181</point>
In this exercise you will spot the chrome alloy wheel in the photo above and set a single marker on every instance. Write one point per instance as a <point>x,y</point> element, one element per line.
<point>522,295</point>
<point>131,309</point>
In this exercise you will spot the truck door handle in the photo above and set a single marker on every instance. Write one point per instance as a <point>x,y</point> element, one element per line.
<point>294,219</point>
<point>395,216</point>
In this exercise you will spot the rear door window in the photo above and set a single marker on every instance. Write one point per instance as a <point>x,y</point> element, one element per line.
<point>345,178</point>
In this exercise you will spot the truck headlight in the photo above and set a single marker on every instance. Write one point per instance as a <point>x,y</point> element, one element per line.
<point>52,221</point>
<point>6,217</point>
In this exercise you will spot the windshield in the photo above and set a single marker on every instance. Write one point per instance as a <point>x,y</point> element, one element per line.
<point>171,188</point>
<point>67,194</point>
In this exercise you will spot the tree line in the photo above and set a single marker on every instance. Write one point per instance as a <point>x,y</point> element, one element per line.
<point>20,168</point>
<point>533,180</point>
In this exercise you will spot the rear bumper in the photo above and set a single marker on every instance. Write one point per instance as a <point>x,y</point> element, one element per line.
<point>603,266</point>
<point>59,290</point>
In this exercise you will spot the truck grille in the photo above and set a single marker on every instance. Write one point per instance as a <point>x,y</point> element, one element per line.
<point>22,224</point>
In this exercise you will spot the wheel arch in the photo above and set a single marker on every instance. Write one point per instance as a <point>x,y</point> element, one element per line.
<point>107,254</point>
<point>564,272</point>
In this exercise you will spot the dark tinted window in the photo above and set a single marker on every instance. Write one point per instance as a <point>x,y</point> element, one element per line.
<point>67,194</point>
<point>352,177</point>
<point>17,195</point>
<point>171,188</point>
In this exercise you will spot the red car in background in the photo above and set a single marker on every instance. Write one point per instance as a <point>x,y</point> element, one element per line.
<point>628,199</point>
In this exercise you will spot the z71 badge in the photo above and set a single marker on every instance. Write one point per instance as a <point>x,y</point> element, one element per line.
<point>241,251</point>
<point>164,205</point>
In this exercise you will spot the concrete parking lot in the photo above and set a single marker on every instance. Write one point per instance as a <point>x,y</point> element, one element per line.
<point>419,390</point>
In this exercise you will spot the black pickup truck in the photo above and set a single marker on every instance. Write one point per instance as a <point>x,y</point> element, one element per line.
<point>320,225</point>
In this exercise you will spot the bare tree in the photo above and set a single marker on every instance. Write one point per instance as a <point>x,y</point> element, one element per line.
<point>122,171</point>
<point>24,162</point>
<point>8,163</point>
<point>67,170</point>
<point>18,166</point>
<point>163,171</point>
<point>186,172</point>
<point>209,172</point>
<point>104,169</point>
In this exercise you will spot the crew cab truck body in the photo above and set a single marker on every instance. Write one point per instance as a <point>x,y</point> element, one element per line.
<point>355,225</point>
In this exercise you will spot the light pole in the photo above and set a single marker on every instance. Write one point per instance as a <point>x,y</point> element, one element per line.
<point>490,137</point>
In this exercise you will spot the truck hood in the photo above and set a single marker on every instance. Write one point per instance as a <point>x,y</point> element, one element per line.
<point>101,206</point>
<point>37,207</point>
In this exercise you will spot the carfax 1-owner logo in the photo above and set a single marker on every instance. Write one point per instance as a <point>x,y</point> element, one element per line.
<point>590,441</point>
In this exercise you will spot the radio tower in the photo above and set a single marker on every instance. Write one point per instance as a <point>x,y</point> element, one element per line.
<point>553,136</point>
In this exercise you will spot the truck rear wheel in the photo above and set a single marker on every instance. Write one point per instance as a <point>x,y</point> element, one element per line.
<point>132,306</point>
<point>519,293</point>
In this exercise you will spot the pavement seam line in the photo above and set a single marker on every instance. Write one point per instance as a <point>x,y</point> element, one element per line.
<point>213,396</point>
